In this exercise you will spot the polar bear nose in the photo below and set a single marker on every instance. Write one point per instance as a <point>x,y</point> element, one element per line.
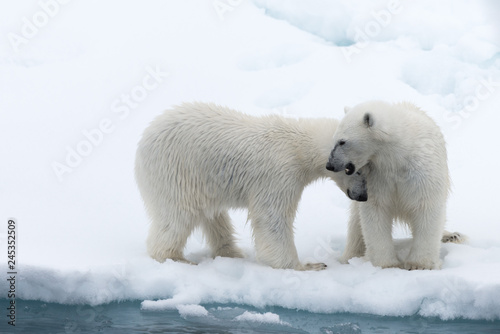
<point>363,197</point>
<point>349,168</point>
<point>330,167</point>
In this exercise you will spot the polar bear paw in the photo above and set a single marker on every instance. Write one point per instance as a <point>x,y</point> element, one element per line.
<point>454,237</point>
<point>344,259</point>
<point>180,260</point>
<point>421,265</point>
<point>313,266</point>
<point>175,258</point>
<point>390,265</point>
<point>392,262</point>
<point>229,251</point>
<point>183,260</point>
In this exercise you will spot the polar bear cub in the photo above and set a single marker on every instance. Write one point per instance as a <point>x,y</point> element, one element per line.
<point>196,161</point>
<point>401,152</point>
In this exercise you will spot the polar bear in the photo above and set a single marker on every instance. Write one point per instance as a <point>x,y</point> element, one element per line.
<point>196,161</point>
<point>401,153</point>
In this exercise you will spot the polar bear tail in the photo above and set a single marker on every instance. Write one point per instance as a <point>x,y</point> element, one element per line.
<point>455,237</point>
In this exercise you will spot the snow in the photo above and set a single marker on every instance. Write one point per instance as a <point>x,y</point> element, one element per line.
<point>85,82</point>
<point>192,310</point>
<point>233,316</point>
<point>267,317</point>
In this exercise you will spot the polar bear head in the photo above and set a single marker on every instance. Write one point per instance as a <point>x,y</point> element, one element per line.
<point>361,133</point>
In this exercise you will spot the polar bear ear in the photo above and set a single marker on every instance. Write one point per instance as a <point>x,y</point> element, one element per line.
<point>346,109</point>
<point>368,120</point>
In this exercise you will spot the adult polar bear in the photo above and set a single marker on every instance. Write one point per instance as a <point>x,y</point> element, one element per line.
<point>196,161</point>
<point>402,154</point>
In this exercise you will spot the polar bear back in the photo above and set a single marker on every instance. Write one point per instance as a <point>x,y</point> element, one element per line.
<point>206,156</point>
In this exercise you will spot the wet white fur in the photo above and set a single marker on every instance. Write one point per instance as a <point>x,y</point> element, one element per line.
<point>407,181</point>
<point>196,161</point>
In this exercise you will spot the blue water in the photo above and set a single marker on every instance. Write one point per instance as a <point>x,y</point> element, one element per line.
<point>127,317</point>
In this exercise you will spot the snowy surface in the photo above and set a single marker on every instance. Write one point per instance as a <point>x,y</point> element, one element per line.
<point>114,66</point>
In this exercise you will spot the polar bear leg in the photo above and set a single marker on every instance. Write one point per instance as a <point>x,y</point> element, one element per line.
<point>427,231</point>
<point>355,246</point>
<point>274,239</point>
<point>376,225</point>
<point>167,237</point>
<point>220,236</point>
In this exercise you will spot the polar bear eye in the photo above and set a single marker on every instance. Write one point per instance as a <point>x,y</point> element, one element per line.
<point>341,142</point>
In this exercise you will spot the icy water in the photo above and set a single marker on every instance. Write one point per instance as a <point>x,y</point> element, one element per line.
<point>127,317</point>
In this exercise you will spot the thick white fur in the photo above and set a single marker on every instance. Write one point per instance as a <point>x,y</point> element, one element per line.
<point>196,161</point>
<point>403,154</point>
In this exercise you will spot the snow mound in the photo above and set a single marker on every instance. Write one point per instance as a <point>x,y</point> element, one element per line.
<point>268,317</point>
<point>192,311</point>
<point>456,291</point>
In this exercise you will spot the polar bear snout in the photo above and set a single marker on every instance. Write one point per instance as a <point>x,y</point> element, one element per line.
<point>359,195</point>
<point>335,167</point>
<point>336,163</point>
<point>330,167</point>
